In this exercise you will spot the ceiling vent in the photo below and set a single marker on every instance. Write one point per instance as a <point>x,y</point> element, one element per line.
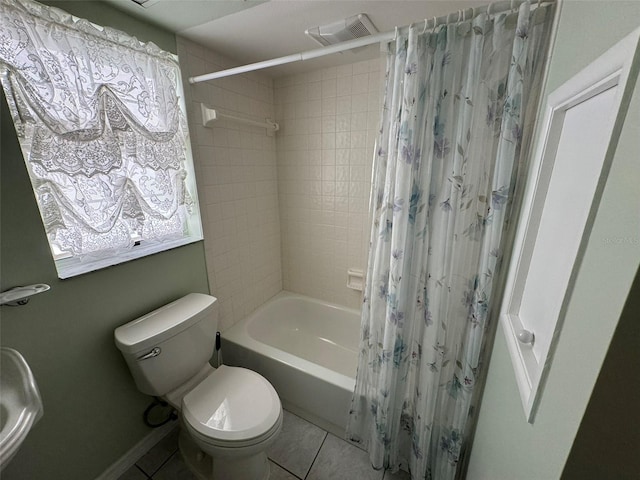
<point>350,28</point>
<point>145,3</point>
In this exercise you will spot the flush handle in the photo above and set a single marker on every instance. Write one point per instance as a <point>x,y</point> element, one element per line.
<point>153,353</point>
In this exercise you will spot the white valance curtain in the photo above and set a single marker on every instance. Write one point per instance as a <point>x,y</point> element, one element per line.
<point>99,120</point>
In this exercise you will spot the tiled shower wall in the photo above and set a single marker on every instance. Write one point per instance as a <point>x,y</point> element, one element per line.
<point>237,184</point>
<point>329,120</point>
<point>298,222</point>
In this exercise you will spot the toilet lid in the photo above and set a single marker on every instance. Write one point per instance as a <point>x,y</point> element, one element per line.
<point>232,404</point>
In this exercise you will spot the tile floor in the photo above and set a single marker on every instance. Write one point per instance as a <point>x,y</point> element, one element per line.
<point>303,451</point>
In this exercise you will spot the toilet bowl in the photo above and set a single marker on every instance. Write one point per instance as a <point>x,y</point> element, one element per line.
<point>229,416</point>
<point>234,415</point>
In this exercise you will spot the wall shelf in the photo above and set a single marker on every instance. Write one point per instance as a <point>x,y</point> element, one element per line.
<point>355,279</point>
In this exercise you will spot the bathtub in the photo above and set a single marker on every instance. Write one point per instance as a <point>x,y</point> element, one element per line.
<point>307,349</point>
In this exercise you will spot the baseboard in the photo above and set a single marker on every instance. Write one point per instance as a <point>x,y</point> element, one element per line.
<point>128,460</point>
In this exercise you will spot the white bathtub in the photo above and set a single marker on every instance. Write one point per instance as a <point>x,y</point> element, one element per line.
<point>307,349</point>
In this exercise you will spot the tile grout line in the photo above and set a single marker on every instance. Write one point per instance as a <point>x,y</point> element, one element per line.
<point>162,465</point>
<point>140,470</point>
<point>285,469</point>
<point>326,434</point>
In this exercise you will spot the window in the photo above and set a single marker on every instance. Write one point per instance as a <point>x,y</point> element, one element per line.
<point>102,125</point>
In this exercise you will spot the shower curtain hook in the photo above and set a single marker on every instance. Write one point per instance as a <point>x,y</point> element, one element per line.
<point>395,33</point>
<point>489,9</point>
<point>426,22</point>
<point>459,16</point>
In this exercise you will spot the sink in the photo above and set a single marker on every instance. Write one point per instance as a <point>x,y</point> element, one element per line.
<point>20,403</point>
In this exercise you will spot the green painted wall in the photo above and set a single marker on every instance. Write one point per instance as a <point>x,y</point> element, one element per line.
<point>93,412</point>
<point>506,446</point>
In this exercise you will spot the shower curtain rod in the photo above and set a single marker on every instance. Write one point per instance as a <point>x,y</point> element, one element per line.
<point>361,42</point>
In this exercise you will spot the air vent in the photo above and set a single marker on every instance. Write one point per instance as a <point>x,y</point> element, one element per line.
<point>145,3</point>
<point>357,26</point>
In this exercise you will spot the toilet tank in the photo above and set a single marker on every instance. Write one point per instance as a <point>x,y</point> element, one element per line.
<point>168,346</point>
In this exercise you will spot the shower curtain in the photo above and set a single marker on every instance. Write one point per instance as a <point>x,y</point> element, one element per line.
<point>458,112</point>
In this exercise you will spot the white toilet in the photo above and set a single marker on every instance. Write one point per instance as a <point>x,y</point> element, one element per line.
<point>232,415</point>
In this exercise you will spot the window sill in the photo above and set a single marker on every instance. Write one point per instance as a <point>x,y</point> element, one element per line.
<point>71,267</point>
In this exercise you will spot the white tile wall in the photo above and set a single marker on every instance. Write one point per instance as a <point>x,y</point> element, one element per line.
<point>329,121</point>
<point>298,222</point>
<point>237,184</point>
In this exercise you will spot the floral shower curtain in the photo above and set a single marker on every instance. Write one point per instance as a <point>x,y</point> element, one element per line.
<point>458,112</point>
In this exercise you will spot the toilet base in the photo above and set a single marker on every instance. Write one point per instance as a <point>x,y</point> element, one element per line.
<point>255,467</point>
<point>195,459</point>
<point>204,467</point>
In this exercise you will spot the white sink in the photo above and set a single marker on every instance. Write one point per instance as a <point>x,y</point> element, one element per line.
<point>20,403</point>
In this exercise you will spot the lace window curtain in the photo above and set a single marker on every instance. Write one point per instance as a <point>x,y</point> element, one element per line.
<point>102,129</point>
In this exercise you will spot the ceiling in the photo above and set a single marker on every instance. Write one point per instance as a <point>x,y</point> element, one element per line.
<point>253,30</point>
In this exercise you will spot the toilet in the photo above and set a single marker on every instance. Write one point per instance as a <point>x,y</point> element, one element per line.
<point>229,415</point>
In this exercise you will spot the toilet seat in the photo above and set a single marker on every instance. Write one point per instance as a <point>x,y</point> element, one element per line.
<point>228,447</point>
<point>233,407</point>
